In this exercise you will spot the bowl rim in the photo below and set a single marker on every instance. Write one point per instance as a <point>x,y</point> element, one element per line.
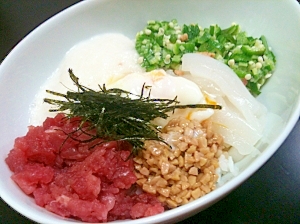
<point>226,188</point>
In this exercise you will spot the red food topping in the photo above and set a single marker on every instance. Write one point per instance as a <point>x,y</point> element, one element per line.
<point>92,181</point>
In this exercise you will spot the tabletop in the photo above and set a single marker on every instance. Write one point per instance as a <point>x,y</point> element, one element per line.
<point>271,195</point>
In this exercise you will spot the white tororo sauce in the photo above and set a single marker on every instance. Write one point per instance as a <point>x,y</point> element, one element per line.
<point>101,59</point>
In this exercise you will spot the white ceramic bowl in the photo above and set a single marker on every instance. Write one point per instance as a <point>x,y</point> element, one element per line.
<point>30,63</point>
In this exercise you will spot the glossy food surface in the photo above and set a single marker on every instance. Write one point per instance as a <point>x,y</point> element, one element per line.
<point>269,196</point>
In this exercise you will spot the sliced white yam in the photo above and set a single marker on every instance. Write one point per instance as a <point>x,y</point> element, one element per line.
<point>243,163</point>
<point>227,81</point>
<point>233,139</point>
<point>237,126</point>
<point>229,116</point>
<point>242,118</point>
<point>234,153</point>
<point>231,119</point>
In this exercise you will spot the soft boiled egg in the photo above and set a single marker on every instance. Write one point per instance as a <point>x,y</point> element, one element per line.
<point>160,84</point>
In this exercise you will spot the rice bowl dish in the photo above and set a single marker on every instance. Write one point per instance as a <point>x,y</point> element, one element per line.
<point>275,120</point>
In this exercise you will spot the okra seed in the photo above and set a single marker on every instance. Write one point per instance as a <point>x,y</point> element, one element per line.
<point>268,75</point>
<point>258,65</point>
<point>231,62</point>
<point>147,31</point>
<point>248,76</point>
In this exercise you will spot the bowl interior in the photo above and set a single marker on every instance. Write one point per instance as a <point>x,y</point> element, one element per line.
<point>38,55</point>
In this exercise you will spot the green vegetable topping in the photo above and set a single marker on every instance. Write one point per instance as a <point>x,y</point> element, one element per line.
<point>116,114</point>
<point>162,44</point>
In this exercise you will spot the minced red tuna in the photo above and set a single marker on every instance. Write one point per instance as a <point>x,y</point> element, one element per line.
<point>88,181</point>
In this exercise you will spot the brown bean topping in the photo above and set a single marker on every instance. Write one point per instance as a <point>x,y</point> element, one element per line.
<point>185,172</point>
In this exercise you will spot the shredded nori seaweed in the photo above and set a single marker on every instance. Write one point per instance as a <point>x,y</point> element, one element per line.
<point>116,114</point>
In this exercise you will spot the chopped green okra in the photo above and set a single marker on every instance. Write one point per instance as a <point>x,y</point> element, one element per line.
<point>163,43</point>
